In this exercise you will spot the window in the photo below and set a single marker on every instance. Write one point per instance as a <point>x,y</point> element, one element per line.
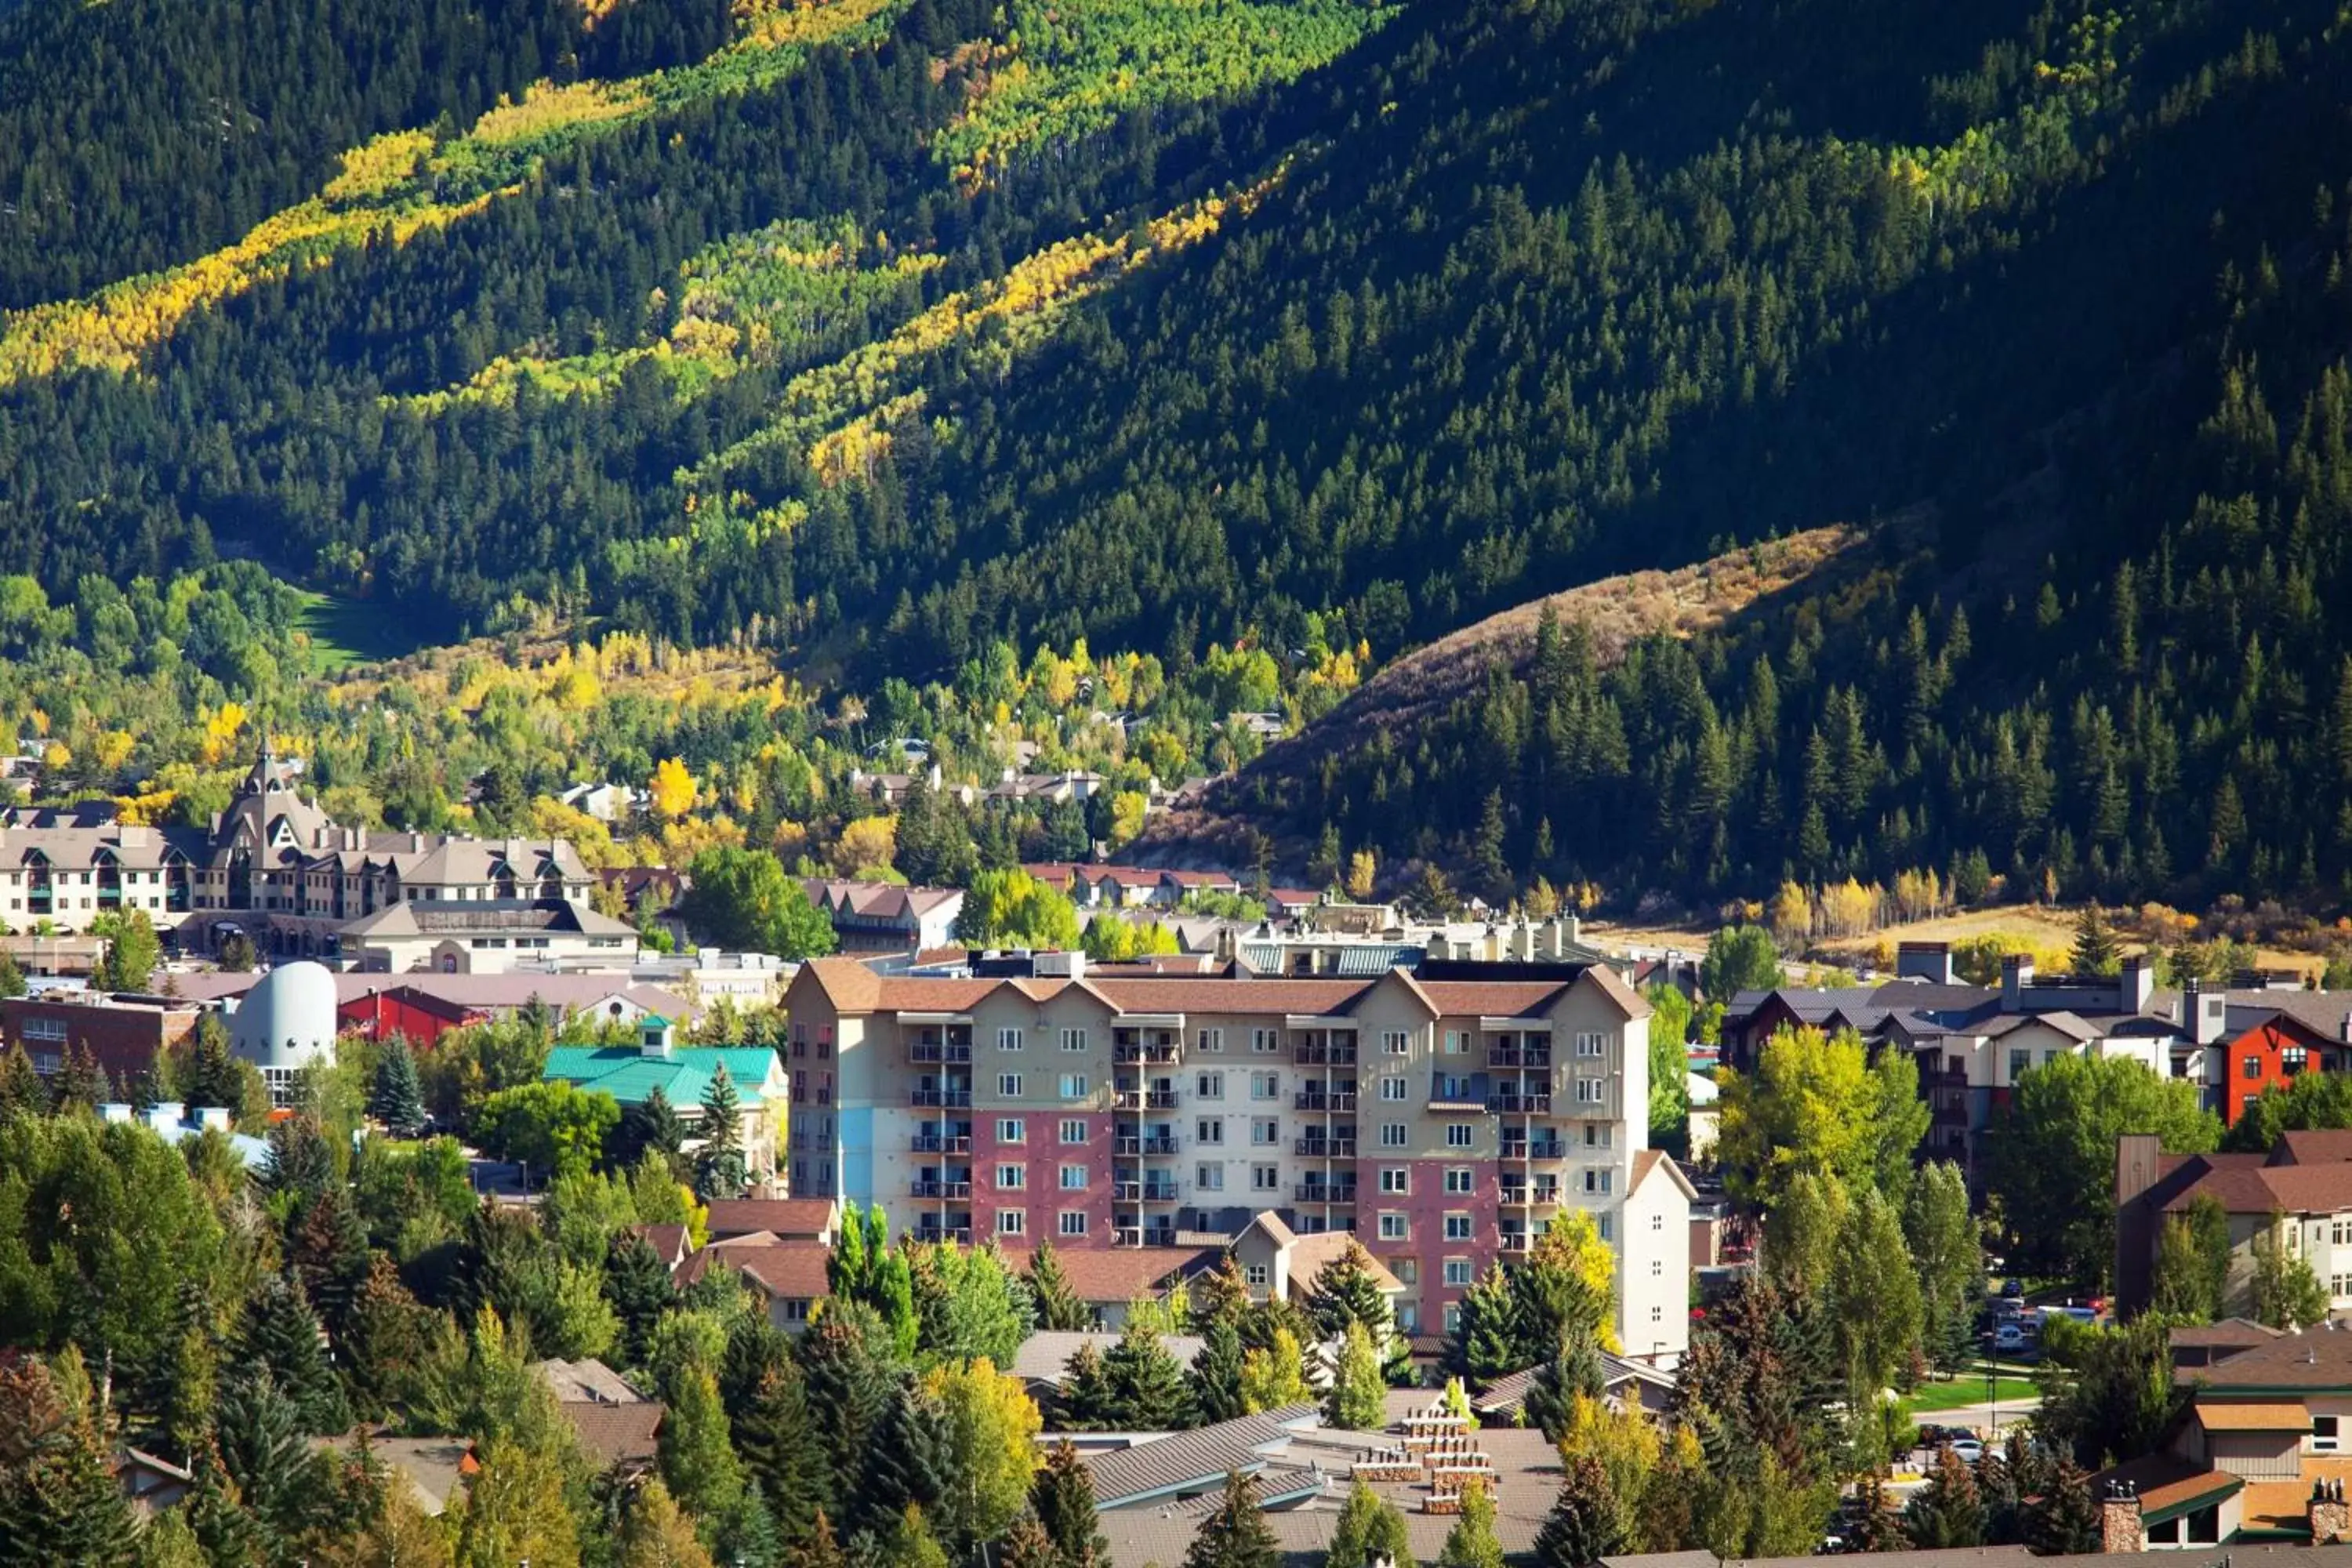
<point>1657,1314</point>
<point>2293,1058</point>
<point>1254,1275</point>
<point>1396,1043</point>
<point>1591,1092</point>
<point>1074,1039</point>
<point>1458,1135</point>
<point>1453,1087</point>
<point>1264,1178</point>
<point>1392,1134</point>
<point>1208,1130</point>
<point>2340,1285</point>
<point>1457,1043</point>
<point>1011,1222</point>
<point>1393,1228</point>
<point>1597,1181</point>
<point>1608,1226</point>
<point>1212,1041</point>
<point>2324,1434</point>
<point>1073,1132</point>
<point>1209,1085</point>
<point>1008,1039</point>
<point>2019,1060</point>
<point>2253,1068</point>
<point>1265,1042</point>
<point>1073,1086</point>
<point>1658,1222</point>
<point>1391,1088</point>
<point>1457,1272</point>
<point>1266,1086</point>
<point>1395,1179</point>
<point>1073,1222</point>
<point>45,1028</point>
<point>2339,1230</point>
<point>1458,1227</point>
<point>1657,1268</point>
<point>1008,1085</point>
<point>1011,1130</point>
<point>1266,1130</point>
<point>1209,1178</point>
<point>1074,1178</point>
<point>1013,1178</point>
<point>1589,1044</point>
<point>1458,1179</point>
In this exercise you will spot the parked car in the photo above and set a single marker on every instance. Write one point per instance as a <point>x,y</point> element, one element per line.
<point>2013,1287</point>
<point>2009,1337</point>
<point>1967,1450</point>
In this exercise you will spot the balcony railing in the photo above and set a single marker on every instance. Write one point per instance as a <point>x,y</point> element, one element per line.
<point>958,1234</point>
<point>1326,1148</point>
<point>1518,1057</point>
<point>1144,1192</point>
<point>943,1098</point>
<point>1130,1051</point>
<point>935,1052</point>
<point>1319,1192</point>
<point>1463,1097</point>
<point>1339,1101</point>
<point>1517,1241</point>
<point>1147,1100</point>
<point>942,1142</point>
<point>953,1190</point>
<point>1519,1195</point>
<point>1152,1143</point>
<point>1144,1236</point>
<point>1537,1149</point>
<point>1313,1056</point>
<point>1514,1102</point>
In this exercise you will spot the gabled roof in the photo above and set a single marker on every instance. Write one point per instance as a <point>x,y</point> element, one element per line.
<point>786,1271</point>
<point>782,1217</point>
<point>1647,1161</point>
<point>1044,1355</point>
<point>2314,1360</point>
<point>1310,1255</point>
<point>1189,1461</point>
<point>1114,1276</point>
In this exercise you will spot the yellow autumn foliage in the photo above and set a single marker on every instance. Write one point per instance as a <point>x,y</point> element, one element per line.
<point>673,788</point>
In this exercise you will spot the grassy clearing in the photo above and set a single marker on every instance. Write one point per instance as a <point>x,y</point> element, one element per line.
<point>348,632</point>
<point>1930,1398</point>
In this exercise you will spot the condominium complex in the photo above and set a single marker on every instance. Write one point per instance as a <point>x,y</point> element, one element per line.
<point>1443,1120</point>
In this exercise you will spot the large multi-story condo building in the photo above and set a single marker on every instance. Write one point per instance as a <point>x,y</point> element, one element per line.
<point>1442,1119</point>
<point>278,867</point>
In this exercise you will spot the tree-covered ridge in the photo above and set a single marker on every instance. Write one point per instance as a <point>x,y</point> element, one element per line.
<point>401,183</point>
<point>145,133</point>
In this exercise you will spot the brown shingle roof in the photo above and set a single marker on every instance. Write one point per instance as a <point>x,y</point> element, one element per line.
<point>848,985</point>
<point>2166,1483</point>
<point>1116,1275</point>
<point>2315,1146</point>
<point>616,1434</point>
<point>1490,998</point>
<point>1310,1254</point>
<point>1635,1004</point>
<point>788,1270</point>
<point>2249,1415</point>
<point>786,1218</point>
<point>2321,1358</point>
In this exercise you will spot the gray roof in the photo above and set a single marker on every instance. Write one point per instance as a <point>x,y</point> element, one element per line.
<point>1043,1355</point>
<point>459,916</point>
<point>1183,1463</point>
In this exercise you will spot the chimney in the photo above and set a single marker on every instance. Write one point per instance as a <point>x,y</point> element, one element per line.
<point>2016,976</point>
<point>2119,1521</point>
<point>1523,939</point>
<point>2138,985</point>
<point>1928,960</point>
<point>2136,1157</point>
<point>2205,1012</point>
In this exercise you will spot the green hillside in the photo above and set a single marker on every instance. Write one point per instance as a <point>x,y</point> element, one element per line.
<point>883,332</point>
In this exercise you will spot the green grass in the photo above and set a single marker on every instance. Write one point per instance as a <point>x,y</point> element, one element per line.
<point>1931,1397</point>
<point>346,632</point>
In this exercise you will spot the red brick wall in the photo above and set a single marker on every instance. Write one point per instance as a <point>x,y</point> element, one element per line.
<point>1425,1208</point>
<point>125,1040</point>
<point>1042,1157</point>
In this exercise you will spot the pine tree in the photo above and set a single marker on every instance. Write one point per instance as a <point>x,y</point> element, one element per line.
<point>652,1124</point>
<point>640,1290</point>
<point>849,1396</point>
<point>147,1091</point>
<point>1370,1528</point>
<point>1145,1385</point>
<point>1472,1542</point>
<point>1062,1495</point>
<point>1485,1334</point>
<point>281,1334</point>
<point>260,1437</point>
<point>2063,1520</point>
<point>1219,1294</point>
<point>2096,950</point>
<point>1216,1374</point>
<point>230,1537</point>
<point>750,1537</point>
<point>1582,1527</point>
<point>397,1100</point>
<point>1574,1369</point>
<point>330,1256</point>
<point>784,1451</point>
<point>1358,1397</point>
<point>12,977</point>
<point>1343,1292</point>
<point>1236,1535</point>
<point>1878,1524</point>
<point>820,1550</point>
<point>719,1168</point>
<point>80,1083</point>
<point>1058,1307</point>
<point>906,1466</point>
<point>697,1457</point>
<point>1083,1403</point>
<point>58,1500</point>
<point>22,1091</point>
<point>1947,1511</point>
<point>1025,1546</point>
<point>213,1080</point>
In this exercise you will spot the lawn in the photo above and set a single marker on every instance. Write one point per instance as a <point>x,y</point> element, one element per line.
<point>346,632</point>
<point>1930,1397</point>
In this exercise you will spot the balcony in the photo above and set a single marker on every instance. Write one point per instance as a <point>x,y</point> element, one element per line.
<point>1523,1147</point>
<point>952,1192</point>
<point>1144,1236</point>
<point>1316,1055</point>
<point>1521,1102</point>
<point>1519,1057</point>
<point>1519,1195</point>
<point>1322,1193</point>
<point>1326,1148</point>
<point>1951,1112</point>
<point>1516,1241</point>
<point>1128,1052</point>
<point>1153,1143</point>
<point>1337,1102</point>
<point>942,1142</point>
<point>943,1098</point>
<point>1146,1100</point>
<point>933,1052</point>
<point>958,1234</point>
<point>1457,1097</point>
<point>1144,1192</point>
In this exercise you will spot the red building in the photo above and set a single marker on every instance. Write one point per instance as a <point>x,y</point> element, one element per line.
<point>124,1033</point>
<point>2270,1055</point>
<point>405,1010</point>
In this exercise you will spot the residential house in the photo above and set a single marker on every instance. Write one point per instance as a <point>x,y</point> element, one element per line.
<point>885,916</point>
<point>2298,1194</point>
<point>631,1073</point>
<point>617,1426</point>
<point>788,1277</point>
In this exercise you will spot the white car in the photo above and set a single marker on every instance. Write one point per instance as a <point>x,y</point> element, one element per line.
<point>1968,1450</point>
<point>2009,1337</point>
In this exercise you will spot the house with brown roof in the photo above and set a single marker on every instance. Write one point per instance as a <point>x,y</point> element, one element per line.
<point>2299,1195</point>
<point>786,1219</point>
<point>788,1277</point>
<point>616,1426</point>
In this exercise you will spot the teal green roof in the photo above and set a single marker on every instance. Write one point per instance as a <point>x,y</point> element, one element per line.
<point>630,1077</point>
